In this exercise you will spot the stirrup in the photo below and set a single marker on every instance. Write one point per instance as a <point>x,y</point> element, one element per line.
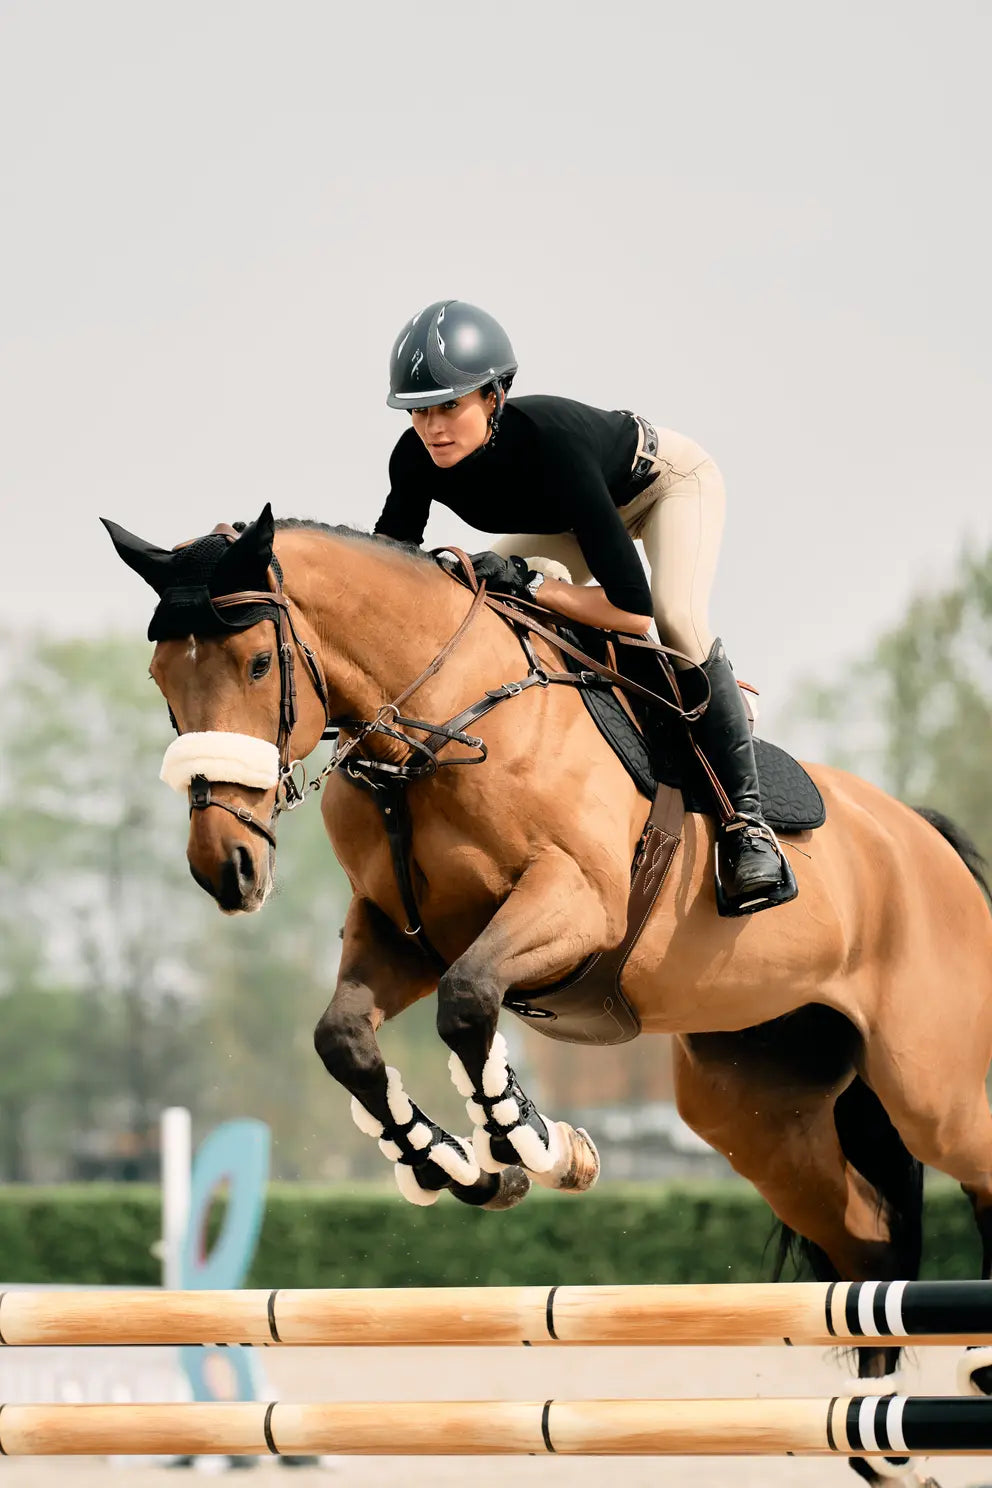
<point>753,903</point>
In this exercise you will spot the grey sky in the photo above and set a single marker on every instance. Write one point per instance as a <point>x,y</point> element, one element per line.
<point>766,225</point>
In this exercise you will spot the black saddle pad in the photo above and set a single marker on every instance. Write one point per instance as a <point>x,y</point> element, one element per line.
<point>789,797</point>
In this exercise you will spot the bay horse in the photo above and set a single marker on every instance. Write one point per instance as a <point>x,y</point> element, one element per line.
<point>827,1048</point>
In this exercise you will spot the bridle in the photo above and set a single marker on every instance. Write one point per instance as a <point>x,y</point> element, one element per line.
<point>291,787</point>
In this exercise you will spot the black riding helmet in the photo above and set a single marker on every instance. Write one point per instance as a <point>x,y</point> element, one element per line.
<point>446,351</point>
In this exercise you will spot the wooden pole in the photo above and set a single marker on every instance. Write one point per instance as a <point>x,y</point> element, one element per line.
<point>859,1426</point>
<point>725,1315</point>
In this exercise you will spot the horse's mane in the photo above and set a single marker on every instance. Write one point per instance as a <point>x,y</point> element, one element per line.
<point>351,534</point>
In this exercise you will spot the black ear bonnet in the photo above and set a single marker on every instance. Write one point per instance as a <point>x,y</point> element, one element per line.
<point>188,579</point>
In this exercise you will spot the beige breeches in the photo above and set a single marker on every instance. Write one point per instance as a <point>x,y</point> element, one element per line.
<point>678,519</point>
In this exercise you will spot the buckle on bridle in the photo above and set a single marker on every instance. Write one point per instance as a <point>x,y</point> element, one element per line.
<point>199,793</point>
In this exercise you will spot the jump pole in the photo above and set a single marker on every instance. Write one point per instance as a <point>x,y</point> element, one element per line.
<point>844,1426</point>
<point>817,1313</point>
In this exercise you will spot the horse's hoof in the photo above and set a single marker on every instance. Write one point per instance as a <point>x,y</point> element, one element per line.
<point>577,1165</point>
<point>514,1185</point>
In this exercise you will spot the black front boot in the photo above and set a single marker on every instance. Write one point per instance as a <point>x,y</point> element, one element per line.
<point>751,871</point>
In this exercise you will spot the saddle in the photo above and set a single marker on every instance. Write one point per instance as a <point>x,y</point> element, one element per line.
<point>790,798</point>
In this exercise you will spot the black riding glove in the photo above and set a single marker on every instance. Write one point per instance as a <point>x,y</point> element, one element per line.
<point>503,575</point>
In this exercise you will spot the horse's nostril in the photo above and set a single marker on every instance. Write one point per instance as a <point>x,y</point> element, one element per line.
<point>244,868</point>
<point>236,879</point>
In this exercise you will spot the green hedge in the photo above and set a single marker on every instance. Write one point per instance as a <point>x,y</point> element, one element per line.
<point>96,1235</point>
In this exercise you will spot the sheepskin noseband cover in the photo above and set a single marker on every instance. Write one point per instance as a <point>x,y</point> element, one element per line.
<point>234,759</point>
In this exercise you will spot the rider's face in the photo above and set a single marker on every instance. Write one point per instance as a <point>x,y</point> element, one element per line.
<point>456,429</point>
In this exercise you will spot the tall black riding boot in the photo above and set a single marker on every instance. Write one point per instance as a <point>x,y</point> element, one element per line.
<point>752,872</point>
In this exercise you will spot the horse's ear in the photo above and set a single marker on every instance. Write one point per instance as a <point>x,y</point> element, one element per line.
<point>154,565</point>
<point>245,564</point>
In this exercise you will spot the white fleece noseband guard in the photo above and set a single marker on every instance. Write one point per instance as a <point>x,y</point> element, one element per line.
<point>232,759</point>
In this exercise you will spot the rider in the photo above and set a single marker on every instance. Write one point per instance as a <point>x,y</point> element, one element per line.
<point>581,484</point>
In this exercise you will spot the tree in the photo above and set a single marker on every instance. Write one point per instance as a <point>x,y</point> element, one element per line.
<point>90,872</point>
<point>122,989</point>
<point>915,713</point>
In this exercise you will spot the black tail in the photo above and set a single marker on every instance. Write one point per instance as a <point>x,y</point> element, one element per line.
<point>962,844</point>
<point>871,1144</point>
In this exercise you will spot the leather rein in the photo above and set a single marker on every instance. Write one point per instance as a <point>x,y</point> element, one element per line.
<point>384,779</point>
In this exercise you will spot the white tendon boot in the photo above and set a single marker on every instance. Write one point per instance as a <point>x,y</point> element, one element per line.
<point>970,1362</point>
<point>509,1130</point>
<point>425,1157</point>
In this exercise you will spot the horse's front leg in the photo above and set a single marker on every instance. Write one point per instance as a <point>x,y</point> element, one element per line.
<point>381,974</point>
<point>553,919</point>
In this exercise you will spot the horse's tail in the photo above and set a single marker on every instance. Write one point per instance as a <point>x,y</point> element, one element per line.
<point>872,1145</point>
<point>962,844</point>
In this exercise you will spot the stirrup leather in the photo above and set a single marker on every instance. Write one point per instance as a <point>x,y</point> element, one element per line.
<point>766,898</point>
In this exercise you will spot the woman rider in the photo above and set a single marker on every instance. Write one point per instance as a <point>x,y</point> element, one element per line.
<point>581,484</point>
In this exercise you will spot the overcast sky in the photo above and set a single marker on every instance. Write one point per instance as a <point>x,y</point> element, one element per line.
<point>765,225</point>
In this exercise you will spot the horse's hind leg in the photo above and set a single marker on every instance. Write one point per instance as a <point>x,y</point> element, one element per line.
<point>943,1116</point>
<point>551,921</point>
<point>380,975</point>
<point>781,1134</point>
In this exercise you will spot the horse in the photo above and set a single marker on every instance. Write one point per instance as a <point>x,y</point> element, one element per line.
<point>827,1048</point>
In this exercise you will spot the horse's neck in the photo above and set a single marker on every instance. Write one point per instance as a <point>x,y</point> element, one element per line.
<point>379,616</point>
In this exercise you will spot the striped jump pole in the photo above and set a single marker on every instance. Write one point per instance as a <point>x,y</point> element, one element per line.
<point>921,1312</point>
<point>846,1427</point>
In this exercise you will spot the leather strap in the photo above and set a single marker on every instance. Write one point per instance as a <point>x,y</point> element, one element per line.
<point>601,669</point>
<point>390,798</point>
<point>200,798</point>
<point>288,641</point>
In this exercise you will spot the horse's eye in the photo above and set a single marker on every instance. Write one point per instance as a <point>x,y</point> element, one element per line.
<point>260,665</point>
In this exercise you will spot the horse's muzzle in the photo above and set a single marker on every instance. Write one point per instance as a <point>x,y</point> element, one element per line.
<point>241,884</point>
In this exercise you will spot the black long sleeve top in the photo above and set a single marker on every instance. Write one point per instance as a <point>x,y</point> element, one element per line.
<point>555,466</point>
